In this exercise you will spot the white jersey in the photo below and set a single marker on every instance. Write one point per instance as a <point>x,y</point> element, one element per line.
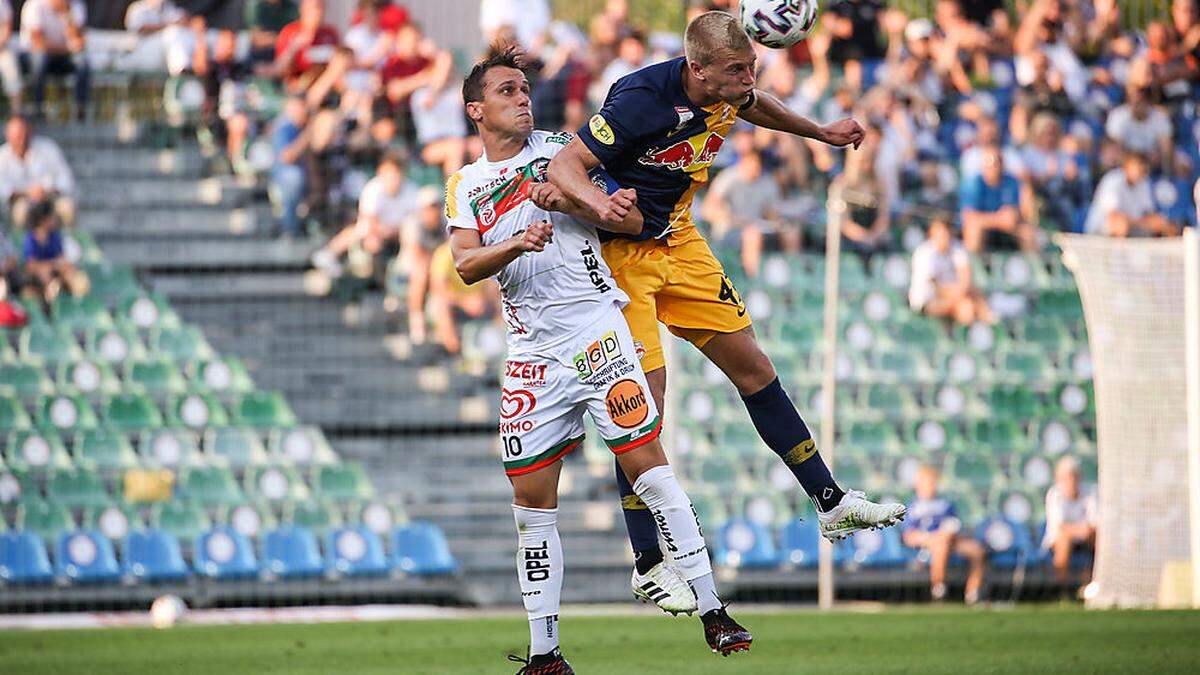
<point>549,296</point>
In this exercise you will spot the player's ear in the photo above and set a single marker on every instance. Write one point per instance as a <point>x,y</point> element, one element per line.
<point>475,111</point>
<point>697,70</point>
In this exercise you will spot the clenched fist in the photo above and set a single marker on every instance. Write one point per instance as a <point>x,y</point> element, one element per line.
<point>547,196</point>
<point>536,236</point>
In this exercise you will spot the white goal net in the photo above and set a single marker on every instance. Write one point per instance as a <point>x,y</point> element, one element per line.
<point>1134,301</point>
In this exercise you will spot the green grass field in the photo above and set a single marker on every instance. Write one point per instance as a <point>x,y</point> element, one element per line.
<point>921,640</point>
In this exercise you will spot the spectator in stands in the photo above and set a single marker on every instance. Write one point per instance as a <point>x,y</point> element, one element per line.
<point>325,163</point>
<point>10,266</point>
<point>1139,126</point>
<point>861,200</point>
<point>226,111</point>
<point>10,69</point>
<point>411,65</point>
<point>934,527</point>
<point>370,46</point>
<point>52,36</point>
<point>1071,515</point>
<point>385,206</point>
<point>424,234</point>
<point>163,34</point>
<point>1043,91</point>
<point>741,205</point>
<point>990,206</point>
<point>1185,20</point>
<point>631,55</point>
<point>305,46</point>
<point>290,142</point>
<point>46,268</point>
<point>1124,206</point>
<point>450,298</point>
<point>854,31</point>
<point>439,118</point>
<point>265,19</point>
<point>526,20</point>
<point>1062,185</point>
<point>941,284</point>
<point>33,171</point>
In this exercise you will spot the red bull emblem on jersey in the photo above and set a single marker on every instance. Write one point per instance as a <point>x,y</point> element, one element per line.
<point>689,155</point>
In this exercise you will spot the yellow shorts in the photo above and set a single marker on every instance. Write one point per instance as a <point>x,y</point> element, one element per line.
<point>680,284</point>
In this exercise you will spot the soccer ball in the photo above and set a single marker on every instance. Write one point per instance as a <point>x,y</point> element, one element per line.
<point>166,611</point>
<point>778,23</point>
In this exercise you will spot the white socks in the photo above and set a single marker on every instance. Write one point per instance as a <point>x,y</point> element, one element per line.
<point>540,572</point>
<point>679,531</point>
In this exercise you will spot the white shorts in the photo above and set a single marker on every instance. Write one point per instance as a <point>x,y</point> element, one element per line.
<point>543,398</point>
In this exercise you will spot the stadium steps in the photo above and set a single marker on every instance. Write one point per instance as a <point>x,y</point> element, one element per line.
<point>119,223</point>
<point>215,253</point>
<point>104,192</point>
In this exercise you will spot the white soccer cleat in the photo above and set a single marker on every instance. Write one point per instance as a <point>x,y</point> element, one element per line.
<point>855,512</point>
<point>665,587</point>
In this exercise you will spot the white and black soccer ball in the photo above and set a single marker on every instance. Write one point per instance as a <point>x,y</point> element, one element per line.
<point>778,23</point>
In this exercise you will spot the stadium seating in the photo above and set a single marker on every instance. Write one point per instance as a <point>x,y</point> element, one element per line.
<point>23,559</point>
<point>355,551</point>
<point>86,556</point>
<point>292,551</point>
<point>420,548</point>
<point>223,553</point>
<point>154,556</point>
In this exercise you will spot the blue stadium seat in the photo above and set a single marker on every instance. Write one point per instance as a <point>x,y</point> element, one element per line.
<point>355,551</point>
<point>153,555</point>
<point>291,551</point>
<point>871,549</point>
<point>86,556</point>
<point>421,548</point>
<point>223,553</point>
<point>23,558</point>
<point>799,540</point>
<point>1009,544</point>
<point>744,543</point>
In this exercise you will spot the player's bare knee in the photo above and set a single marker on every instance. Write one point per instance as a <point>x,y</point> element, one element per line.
<point>535,499</point>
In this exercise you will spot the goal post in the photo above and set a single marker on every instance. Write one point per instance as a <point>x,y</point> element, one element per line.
<point>1140,301</point>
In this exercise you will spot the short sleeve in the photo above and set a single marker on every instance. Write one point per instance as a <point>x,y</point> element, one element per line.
<point>369,200</point>
<point>628,114</point>
<point>31,18</point>
<point>969,194</point>
<point>458,206</point>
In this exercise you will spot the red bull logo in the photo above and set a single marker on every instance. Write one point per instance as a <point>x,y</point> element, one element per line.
<point>691,154</point>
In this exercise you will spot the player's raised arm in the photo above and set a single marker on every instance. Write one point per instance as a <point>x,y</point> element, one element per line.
<point>548,196</point>
<point>476,262</point>
<point>569,173</point>
<point>769,112</point>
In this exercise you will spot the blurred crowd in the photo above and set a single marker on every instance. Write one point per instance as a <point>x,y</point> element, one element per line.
<point>987,129</point>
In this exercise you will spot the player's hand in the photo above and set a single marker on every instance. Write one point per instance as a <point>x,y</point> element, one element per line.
<point>547,196</point>
<point>843,132</point>
<point>536,236</point>
<point>617,206</point>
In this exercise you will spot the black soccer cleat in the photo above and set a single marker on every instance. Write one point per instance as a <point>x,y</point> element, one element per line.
<point>543,664</point>
<point>724,635</point>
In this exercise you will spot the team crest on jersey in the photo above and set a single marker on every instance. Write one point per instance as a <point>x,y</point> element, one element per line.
<point>689,155</point>
<point>685,115</point>
<point>485,212</point>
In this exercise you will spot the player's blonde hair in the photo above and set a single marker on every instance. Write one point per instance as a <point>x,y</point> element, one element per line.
<point>711,34</point>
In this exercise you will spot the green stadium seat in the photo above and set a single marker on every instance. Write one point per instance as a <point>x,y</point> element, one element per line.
<point>80,313</point>
<point>104,449</point>
<point>1061,303</point>
<point>26,379</point>
<point>318,515</point>
<point>132,410</point>
<point>738,439</point>
<point>1035,472</point>
<point>236,447</point>
<point>1027,366</point>
<point>1076,400</point>
<point>1056,436</point>
<point>88,377</point>
<point>250,519</point>
<point>183,519</point>
<point>182,343</point>
<point>15,484</point>
<point>343,482</point>
<point>1020,506</point>
<point>77,488</point>
<point>54,344</point>
<point>380,517</point>
<point>149,311</point>
<point>114,520</point>
<point>1050,336</point>
<point>933,436</point>
<point>196,410</point>
<point>33,307</point>
<point>170,448</point>
<point>210,485</point>
<point>36,449</point>
<point>767,508</point>
<point>302,446</point>
<point>114,345</point>
<point>44,517</point>
<point>12,414</point>
<point>891,400</point>
<point>1018,403</point>
<point>66,412</point>
<point>1018,272</point>
<point>878,438</point>
<point>275,484</point>
<point>80,247</point>
<point>902,366</point>
<point>7,353</point>
<point>999,436</point>
<point>112,282</point>
<point>263,409</point>
<point>158,376</point>
<point>923,334</point>
<point>221,375</point>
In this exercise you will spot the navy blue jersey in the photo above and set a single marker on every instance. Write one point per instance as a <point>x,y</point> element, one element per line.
<point>927,515</point>
<point>650,137</point>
